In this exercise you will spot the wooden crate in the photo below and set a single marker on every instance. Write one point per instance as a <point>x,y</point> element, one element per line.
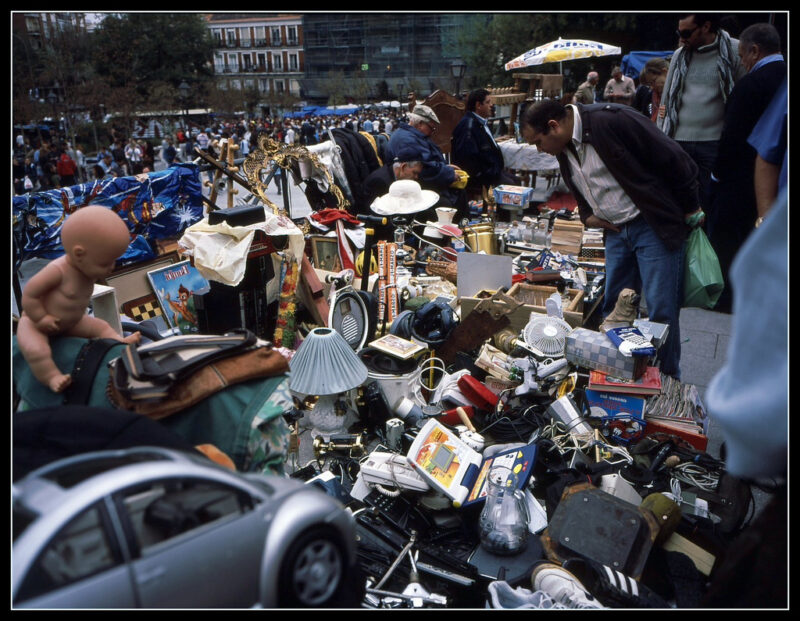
<point>533,301</point>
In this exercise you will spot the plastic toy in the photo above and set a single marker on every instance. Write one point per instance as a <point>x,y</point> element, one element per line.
<point>55,299</point>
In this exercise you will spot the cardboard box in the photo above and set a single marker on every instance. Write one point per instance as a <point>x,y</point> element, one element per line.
<point>533,301</point>
<point>594,350</point>
<point>104,306</point>
<point>514,195</point>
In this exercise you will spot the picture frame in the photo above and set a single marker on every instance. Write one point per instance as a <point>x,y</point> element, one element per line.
<point>325,253</point>
<point>131,282</point>
<point>175,286</point>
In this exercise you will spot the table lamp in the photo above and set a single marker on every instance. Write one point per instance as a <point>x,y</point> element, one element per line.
<point>327,366</point>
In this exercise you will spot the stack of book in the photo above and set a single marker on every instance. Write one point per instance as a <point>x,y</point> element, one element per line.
<point>619,396</point>
<point>662,402</point>
<point>567,236</point>
<point>678,411</point>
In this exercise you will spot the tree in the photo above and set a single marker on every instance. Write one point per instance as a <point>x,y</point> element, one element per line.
<point>139,49</point>
<point>336,87</point>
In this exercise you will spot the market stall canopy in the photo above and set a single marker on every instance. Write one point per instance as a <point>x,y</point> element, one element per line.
<point>561,50</point>
<point>633,62</point>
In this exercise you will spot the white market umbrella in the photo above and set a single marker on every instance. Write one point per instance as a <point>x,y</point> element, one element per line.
<point>561,50</point>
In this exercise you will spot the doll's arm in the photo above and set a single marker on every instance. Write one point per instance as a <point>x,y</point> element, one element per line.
<point>43,282</point>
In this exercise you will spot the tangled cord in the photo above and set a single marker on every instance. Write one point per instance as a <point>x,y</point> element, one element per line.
<point>506,428</point>
<point>697,476</point>
<point>568,442</point>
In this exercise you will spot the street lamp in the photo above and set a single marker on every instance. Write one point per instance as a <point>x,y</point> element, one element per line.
<point>183,89</point>
<point>457,69</point>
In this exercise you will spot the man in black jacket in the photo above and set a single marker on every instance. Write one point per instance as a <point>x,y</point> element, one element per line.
<point>735,210</point>
<point>640,187</point>
<point>474,148</point>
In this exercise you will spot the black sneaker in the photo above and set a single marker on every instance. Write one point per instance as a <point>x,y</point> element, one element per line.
<point>613,588</point>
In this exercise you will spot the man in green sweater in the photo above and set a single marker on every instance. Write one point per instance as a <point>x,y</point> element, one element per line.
<point>701,75</point>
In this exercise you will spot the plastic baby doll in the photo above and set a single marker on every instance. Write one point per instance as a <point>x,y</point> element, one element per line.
<point>55,299</point>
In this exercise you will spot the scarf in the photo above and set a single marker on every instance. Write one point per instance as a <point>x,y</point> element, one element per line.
<point>726,61</point>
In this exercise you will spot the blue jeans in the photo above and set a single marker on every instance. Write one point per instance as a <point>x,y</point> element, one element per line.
<point>636,256</point>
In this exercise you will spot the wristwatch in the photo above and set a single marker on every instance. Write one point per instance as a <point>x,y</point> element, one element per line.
<point>759,220</point>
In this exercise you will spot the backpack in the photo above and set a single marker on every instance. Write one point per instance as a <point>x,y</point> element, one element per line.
<point>65,166</point>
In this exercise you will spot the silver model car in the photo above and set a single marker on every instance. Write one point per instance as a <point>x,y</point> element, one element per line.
<point>157,528</point>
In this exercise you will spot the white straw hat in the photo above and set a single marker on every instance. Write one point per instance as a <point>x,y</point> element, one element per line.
<point>404,197</point>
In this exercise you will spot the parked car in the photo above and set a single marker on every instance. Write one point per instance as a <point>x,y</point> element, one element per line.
<point>152,527</point>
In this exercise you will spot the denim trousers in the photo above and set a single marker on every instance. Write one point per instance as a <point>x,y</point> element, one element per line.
<point>637,259</point>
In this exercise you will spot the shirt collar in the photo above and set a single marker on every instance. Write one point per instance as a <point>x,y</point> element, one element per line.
<point>577,126</point>
<point>772,58</point>
<point>481,120</point>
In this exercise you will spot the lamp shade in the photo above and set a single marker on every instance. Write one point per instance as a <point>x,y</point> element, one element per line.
<point>325,364</point>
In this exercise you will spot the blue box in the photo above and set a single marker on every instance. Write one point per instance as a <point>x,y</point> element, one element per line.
<point>615,403</point>
<point>514,195</point>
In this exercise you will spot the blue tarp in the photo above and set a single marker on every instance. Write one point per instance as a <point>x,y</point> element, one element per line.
<point>321,112</point>
<point>157,205</point>
<point>633,62</point>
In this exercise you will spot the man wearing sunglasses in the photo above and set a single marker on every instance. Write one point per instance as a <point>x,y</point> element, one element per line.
<point>701,76</point>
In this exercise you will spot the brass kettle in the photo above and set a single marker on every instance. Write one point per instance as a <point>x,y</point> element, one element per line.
<point>481,237</point>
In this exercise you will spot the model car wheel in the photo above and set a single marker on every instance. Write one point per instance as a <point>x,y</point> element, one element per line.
<point>313,570</point>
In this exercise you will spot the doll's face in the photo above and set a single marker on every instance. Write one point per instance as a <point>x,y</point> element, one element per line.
<point>96,261</point>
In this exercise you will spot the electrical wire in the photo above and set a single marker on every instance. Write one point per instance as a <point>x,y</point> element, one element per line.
<point>697,476</point>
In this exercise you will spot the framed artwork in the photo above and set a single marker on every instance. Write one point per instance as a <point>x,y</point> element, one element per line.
<point>175,287</point>
<point>325,253</point>
<point>131,283</point>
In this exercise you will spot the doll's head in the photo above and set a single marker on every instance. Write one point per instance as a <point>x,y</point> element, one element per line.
<point>94,237</point>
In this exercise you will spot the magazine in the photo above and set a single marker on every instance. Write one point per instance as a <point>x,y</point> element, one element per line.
<point>175,287</point>
<point>397,346</point>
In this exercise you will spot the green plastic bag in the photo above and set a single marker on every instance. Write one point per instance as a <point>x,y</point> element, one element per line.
<point>702,283</point>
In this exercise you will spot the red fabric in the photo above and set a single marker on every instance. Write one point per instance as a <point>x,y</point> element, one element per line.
<point>329,216</point>
<point>561,200</point>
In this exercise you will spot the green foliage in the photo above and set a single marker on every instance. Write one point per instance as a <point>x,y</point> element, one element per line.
<point>491,40</point>
<point>138,49</point>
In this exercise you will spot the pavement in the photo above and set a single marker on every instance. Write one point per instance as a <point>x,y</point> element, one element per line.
<point>705,336</point>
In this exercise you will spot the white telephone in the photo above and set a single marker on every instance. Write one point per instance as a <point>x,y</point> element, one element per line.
<point>392,469</point>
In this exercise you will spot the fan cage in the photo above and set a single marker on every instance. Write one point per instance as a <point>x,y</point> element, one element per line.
<point>547,335</point>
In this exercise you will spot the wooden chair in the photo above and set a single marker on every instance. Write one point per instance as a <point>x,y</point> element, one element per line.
<point>449,110</point>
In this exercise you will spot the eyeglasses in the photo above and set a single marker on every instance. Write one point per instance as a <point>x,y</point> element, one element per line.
<point>685,33</point>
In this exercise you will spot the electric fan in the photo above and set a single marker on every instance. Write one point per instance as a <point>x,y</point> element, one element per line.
<point>546,336</point>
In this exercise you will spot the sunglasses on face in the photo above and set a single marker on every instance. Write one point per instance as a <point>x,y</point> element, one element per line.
<point>686,33</point>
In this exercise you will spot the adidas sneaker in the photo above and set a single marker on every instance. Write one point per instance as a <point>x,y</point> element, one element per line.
<point>503,596</point>
<point>562,586</point>
<point>613,588</point>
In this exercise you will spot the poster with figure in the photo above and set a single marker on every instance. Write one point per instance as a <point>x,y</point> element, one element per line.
<point>175,287</point>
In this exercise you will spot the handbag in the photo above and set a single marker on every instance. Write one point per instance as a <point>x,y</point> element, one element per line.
<point>703,283</point>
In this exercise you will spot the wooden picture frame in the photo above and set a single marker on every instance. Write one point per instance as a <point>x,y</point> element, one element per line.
<point>325,253</point>
<point>131,282</point>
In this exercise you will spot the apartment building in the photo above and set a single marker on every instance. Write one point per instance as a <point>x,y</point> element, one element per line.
<point>258,51</point>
